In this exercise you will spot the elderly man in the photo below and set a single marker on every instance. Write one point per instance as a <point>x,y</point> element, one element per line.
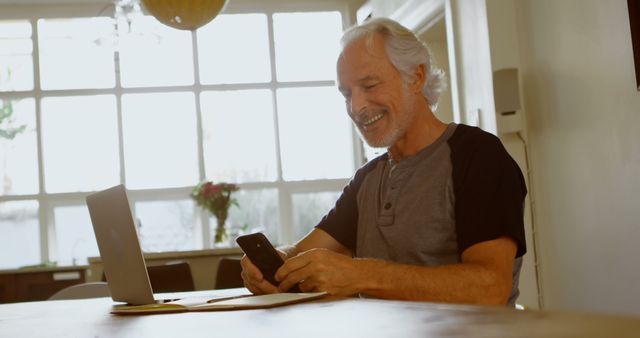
<point>439,217</point>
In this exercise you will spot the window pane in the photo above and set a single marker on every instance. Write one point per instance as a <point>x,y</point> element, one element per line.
<point>20,240</point>
<point>80,143</point>
<point>18,147</point>
<point>258,211</point>
<point>153,54</point>
<point>73,55</point>
<point>160,143</point>
<point>168,226</point>
<point>239,136</point>
<point>315,134</point>
<point>308,210</point>
<point>307,45</point>
<point>16,61</point>
<point>240,57</point>
<point>74,235</point>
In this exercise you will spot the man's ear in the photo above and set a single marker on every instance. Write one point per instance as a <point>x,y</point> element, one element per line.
<point>419,78</point>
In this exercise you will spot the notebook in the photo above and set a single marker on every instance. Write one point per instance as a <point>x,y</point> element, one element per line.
<point>126,271</point>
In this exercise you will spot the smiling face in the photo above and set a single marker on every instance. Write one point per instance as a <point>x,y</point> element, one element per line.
<point>376,96</point>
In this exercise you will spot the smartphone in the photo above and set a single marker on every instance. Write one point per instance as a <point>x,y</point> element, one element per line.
<point>264,256</point>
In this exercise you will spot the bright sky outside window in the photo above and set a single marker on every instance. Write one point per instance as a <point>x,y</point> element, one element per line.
<point>239,135</point>
<point>75,240</point>
<point>16,61</point>
<point>20,231</point>
<point>309,208</point>
<point>160,145</point>
<point>19,156</point>
<point>153,54</point>
<point>258,211</point>
<point>80,143</point>
<point>234,48</point>
<point>307,45</point>
<point>313,130</point>
<point>167,225</point>
<point>71,55</point>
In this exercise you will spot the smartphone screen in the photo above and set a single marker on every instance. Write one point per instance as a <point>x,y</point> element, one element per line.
<point>263,255</point>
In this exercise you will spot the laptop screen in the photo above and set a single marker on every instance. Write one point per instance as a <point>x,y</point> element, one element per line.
<point>119,246</point>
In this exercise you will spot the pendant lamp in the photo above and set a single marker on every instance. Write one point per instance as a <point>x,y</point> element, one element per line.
<point>184,14</point>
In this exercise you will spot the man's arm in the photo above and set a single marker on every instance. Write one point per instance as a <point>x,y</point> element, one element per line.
<point>483,277</point>
<point>316,239</point>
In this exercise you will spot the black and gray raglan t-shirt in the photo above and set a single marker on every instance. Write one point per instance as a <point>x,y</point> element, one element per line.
<point>428,208</point>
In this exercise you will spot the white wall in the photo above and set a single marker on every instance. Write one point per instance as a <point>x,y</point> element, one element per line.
<point>583,115</point>
<point>503,36</point>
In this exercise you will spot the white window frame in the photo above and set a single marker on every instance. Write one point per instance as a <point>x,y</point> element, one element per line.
<point>48,201</point>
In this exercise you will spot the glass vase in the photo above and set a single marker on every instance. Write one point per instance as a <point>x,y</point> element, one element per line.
<point>220,237</point>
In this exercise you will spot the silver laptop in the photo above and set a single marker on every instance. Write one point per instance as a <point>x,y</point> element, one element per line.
<point>126,270</point>
<point>119,247</point>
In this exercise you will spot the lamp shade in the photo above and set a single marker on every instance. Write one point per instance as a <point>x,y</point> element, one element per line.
<point>184,14</point>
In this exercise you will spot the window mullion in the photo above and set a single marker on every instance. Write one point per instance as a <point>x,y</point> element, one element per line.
<point>197,92</point>
<point>118,93</point>
<point>284,195</point>
<point>274,87</point>
<point>204,215</point>
<point>46,229</point>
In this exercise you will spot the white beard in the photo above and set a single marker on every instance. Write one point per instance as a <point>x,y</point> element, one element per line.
<point>398,127</point>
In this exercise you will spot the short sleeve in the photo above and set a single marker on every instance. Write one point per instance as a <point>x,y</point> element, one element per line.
<point>341,222</point>
<point>489,190</point>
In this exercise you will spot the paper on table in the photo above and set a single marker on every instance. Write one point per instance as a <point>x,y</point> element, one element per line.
<point>219,304</point>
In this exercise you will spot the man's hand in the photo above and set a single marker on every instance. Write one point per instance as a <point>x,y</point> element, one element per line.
<point>317,238</point>
<point>253,278</point>
<point>320,270</point>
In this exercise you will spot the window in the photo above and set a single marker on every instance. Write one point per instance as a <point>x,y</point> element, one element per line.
<point>69,56</point>
<point>160,146</point>
<point>16,49</point>
<point>18,147</point>
<point>309,208</point>
<point>87,104</point>
<point>82,155</point>
<point>241,57</point>
<point>302,39</point>
<point>155,55</point>
<point>20,233</point>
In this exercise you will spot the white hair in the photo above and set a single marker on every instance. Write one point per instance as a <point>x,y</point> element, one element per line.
<point>405,51</point>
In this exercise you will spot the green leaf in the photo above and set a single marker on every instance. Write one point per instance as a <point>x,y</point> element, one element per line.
<point>5,114</point>
<point>11,133</point>
<point>6,111</point>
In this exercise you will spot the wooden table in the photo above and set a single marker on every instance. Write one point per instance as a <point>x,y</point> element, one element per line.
<point>345,317</point>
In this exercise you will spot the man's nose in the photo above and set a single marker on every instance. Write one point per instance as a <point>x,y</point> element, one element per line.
<point>358,103</point>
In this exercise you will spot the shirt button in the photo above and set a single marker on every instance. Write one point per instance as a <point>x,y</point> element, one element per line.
<point>387,206</point>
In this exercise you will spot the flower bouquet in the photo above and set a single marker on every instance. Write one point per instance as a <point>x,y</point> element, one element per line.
<point>217,199</point>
